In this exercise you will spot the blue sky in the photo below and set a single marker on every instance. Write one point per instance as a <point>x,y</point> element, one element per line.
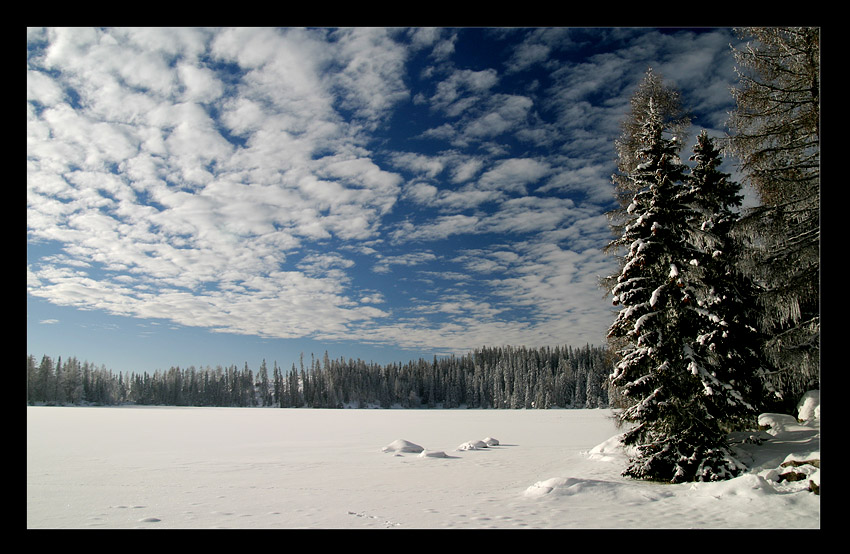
<point>222,196</point>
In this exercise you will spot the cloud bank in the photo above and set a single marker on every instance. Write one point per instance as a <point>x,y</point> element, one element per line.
<point>371,185</point>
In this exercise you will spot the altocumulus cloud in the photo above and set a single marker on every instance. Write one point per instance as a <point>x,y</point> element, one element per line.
<point>434,189</point>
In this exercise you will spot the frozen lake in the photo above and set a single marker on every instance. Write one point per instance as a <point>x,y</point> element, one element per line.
<point>158,467</point>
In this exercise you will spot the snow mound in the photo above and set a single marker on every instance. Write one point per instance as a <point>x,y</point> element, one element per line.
<point>808,409</point>
<point>490,441</point>
<point>609,451</point>
<point>774,424</point>
<point>808,412</point>
<point>616,492</point>
<point>542,488</point>
<point>472,445</point>
<point>432,454</point>
<point>401,445</point>
<point>748,485</point>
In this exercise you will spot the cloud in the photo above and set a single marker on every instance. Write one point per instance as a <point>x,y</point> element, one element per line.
<point>372,66</point>
<point>131,170</point>
<point>591,180</point>
<point>527,55</point>
<point>410,259</point>
<point>514,174</point>
<point>266,181</point>
<point>462,90</point>
<point>482,118</point>
<point>506,113</point>
<point>421,164</point>
<point>439,228</point>
<point>537,47</point>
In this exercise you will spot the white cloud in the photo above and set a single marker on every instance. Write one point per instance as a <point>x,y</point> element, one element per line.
<point>450,200</point>
<point>199,83</point>
<point>592,180</point>
<point>371,75</point>
<point>138,179</point>
<point>466,169</point>
<point>429,166</point>
<point>423,37</point>
<point>462,90</point>
<point>410,259</point>
<point>514,174</point>
<point>439,228</point>
<point>482,117</point>
<point>444,48</point>
<point>373,297</point>
<point>323,262</point>
<point>242,179</point>
<point>528,54</point>
<point>42,89</point>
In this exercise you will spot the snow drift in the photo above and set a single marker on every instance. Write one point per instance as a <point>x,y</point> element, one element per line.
<point>306,468</point>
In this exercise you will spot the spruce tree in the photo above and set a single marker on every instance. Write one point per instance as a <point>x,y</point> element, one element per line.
<point>726,352</point>
<point>44,380</point>
<point>674,435</point>
<point>31,379</point>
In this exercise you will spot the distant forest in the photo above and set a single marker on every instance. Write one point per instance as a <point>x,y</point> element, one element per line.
<point>500,377</point>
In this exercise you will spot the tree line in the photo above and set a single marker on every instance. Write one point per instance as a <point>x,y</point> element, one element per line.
<point>489,377</point>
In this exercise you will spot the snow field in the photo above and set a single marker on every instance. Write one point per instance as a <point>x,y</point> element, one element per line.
<point>163,468</point>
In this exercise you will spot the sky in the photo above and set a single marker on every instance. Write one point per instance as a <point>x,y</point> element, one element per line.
<point>225,196</point>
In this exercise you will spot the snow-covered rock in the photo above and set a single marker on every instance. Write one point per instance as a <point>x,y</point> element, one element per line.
<point>774,424</point>
<point>490,441</point>
<point>433,454</point>
<point>808,409</point>
<point>472,445</point>
<point>401,445</point>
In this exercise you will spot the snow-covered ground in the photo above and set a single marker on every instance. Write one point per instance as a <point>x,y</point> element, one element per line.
<point>134,467</point>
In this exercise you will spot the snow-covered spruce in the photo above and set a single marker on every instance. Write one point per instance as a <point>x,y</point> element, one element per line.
<point>685,367</point>
<point>783,457</point>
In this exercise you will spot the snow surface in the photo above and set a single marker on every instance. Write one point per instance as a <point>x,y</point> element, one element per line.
<point>158,468</point>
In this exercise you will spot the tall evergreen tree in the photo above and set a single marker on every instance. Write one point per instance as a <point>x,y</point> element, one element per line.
<point>31,379</point>
<point>264,386</point>
<point>664,101</point>
<point>58,388</point>
<point>726,352</point>
<point>674,435</point>
<point>44,380</point>
<point>776,129</point>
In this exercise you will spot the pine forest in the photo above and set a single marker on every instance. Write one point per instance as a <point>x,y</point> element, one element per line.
<point>503,378</point>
